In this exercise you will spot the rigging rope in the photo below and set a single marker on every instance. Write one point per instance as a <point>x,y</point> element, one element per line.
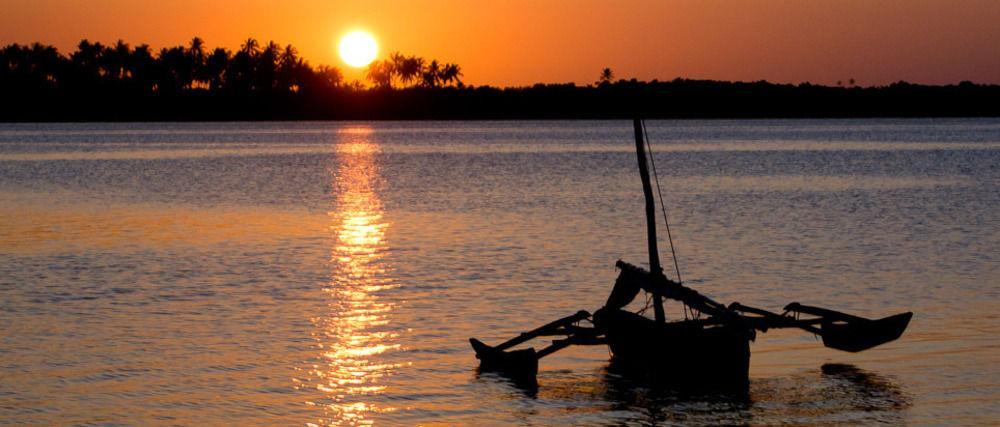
<point>663,205</point>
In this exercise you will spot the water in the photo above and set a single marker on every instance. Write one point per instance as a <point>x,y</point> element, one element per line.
<point>331,273</point>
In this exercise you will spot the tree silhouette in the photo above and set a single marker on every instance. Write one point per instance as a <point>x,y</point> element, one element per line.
<point>37,68</point>
<point>290,67</point>
<point>192,81</point>
<point>86,65</point>
<point>143,68</point>
<point>606,76</point>
<point>328,77</point>
<point>267,68</point>
<point>398,62</point>
<point>431,75</point>
<point>241,72</point>
<point>379,73</point>
<point>412,69</point>
<point>251,47</point>
<point>115,61</point>
<point>196,60</point>
<point>451,73</point>
<point>176,68</point>
<point>215,68</point>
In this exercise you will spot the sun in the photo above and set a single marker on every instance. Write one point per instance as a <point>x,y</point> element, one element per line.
<point>358,48</point>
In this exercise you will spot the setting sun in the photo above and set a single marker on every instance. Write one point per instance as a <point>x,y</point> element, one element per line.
<point>358,48</point>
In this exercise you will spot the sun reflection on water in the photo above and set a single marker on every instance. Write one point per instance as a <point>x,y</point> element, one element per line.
<point>355,334</point>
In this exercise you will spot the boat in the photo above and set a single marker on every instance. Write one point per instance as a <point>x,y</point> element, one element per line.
<point>710,349</point>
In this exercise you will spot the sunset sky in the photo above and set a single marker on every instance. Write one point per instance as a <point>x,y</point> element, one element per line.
<point>518,42</point>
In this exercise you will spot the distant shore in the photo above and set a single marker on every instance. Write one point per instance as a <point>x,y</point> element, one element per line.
<point>267,82</point>
<point>623,99</point>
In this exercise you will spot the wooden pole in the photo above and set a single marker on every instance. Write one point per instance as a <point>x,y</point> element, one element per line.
<point>647,191</point>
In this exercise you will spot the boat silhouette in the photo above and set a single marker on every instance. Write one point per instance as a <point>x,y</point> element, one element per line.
<point>709,351</point>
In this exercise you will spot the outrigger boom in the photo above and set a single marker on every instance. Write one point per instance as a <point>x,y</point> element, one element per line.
<point>715,348</point>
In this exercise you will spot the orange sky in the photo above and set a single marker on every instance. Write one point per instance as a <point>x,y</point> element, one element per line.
<point>517,42</point>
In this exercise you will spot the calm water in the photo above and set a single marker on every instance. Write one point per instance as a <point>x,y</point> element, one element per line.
<point>331,273</point>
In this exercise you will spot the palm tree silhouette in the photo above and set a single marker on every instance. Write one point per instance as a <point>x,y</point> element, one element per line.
<point>115,61</point>
<point>288,69</point>
<point>24,69</point>
<point>251,47</point>
<point>45,62</point>
<point>398,62</point>
<point>451,73</point>
<point>241,73</point>
<point>267,67</point>
<point>121,71</point>
<point>432,74</point>
<point>176,73</point>
<point>85,62</point>
<point>196,59</point>
<point>606,76</point>
<point>380,74</point>
<point>143,68</point>
<point>329,77</point>
<point>412,68</point>
<point>215,68</point>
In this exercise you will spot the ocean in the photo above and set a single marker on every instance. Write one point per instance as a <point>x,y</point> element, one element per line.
<point>331,273</point>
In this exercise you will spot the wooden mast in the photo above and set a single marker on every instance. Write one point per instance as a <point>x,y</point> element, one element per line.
<point>647,190</point>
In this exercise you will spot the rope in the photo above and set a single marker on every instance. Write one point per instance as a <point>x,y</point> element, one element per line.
<point>649,303</point>
<point>663,205</point>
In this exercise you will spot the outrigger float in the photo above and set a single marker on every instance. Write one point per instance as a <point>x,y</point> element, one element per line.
<point>711,351</point>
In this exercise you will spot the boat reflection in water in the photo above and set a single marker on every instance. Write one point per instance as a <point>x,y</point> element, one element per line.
<point>835,394</point>
<point>354,334</point>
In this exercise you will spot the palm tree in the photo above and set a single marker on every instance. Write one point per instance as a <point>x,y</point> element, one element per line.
<point>432,74</point>
<point>176,72</point>
<point>143,68</point>
<point>329,77</point>
<point>606,76</point>
<point>46,62</point>
<point>451,73</point>
<point>115,60</point>
<point>86,61</point>
<point>242,69</point>
<point>288,67</point>
<point>411,69</point>
<point>251,47</point>
<point>267,67</point>
<point>15,69</point>
<point>196,59</point>
<point>380,74</point>
<point>398,62</point>
<point>24,69</point>
<point>215,68</point>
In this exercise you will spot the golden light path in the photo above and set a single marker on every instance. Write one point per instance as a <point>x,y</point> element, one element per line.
<point>355,331</point>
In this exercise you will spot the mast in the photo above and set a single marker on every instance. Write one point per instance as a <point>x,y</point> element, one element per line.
<point>647,191</point>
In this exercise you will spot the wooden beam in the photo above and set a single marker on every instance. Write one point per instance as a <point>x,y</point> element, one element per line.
<point>770,319</point>
<point>544,329</point>
<point>823,312</point>
<point>573,340</point>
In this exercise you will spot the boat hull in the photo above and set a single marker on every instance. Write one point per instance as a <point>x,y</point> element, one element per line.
<point>690,354</point>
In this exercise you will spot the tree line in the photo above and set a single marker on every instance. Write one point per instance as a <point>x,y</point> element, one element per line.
<point>413,71</point>
<point>255,68</point>
<point>270,82</point>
